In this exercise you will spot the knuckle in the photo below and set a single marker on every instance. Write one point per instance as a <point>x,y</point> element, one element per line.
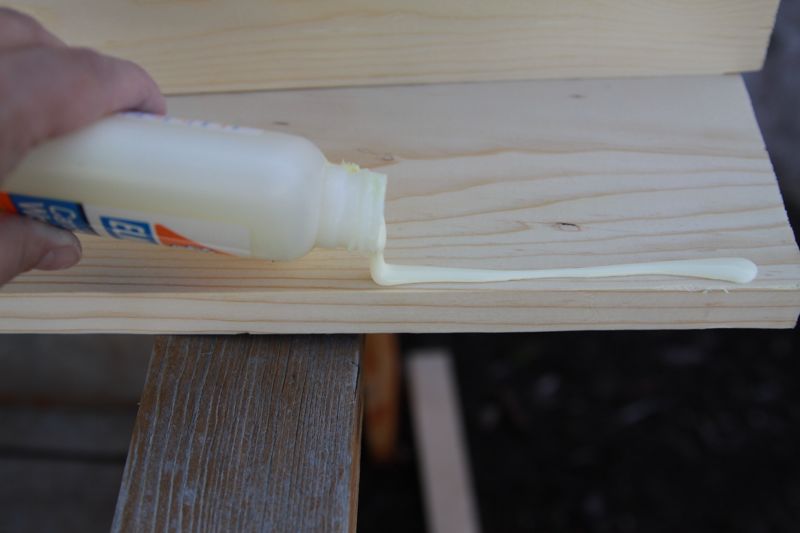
<point>15,21</point>
<point>11,16</point>
<point>85,56</point>
<point>93,64</point>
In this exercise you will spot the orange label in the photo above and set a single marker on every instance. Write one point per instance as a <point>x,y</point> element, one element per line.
<point>5,203</point>
<point>171,238</point>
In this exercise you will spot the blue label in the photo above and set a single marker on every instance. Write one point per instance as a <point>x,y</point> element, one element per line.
<point>67,215</point>
<point>123,228</point>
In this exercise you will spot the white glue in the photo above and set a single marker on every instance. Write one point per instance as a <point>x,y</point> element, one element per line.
<point>245,192</point>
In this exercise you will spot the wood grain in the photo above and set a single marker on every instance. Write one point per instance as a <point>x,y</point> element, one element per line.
<point>246,434</point>
<point>206,45</point>
<point>499,175</point>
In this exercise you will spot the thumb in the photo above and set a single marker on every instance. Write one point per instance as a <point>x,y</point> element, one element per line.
<point>27,244</point>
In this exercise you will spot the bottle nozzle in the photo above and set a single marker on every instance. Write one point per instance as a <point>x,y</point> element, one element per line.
<point>351,214</point>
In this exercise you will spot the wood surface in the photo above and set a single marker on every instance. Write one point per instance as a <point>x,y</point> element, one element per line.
<point>495,175</point>
<point>223,45</point>
<point>450,503</point>
<point>381,363</point>
<point>246,434</point>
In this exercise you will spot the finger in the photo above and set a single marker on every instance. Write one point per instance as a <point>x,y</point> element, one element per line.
<point>26,244</point>
<point>47,92</point>
<point>18,29</point>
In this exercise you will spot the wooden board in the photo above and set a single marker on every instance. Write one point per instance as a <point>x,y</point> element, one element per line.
<point>441,444</point>
<point>497,175</point>
<point>382,376</point>
<point>223,45</point>
<point>246,434</point>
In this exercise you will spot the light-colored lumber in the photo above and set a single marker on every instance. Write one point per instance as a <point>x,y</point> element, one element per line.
<point>450,504</point>
<point>246,434</point>
<point>495,175</point>
<point>203,46</point>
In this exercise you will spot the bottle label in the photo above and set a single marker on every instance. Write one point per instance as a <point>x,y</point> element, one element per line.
<point>217,237</point>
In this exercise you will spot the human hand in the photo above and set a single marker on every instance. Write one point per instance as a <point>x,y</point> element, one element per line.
<point>48,89</point>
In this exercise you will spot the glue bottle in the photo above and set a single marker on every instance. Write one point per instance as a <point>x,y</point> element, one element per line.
<point>193,184</point>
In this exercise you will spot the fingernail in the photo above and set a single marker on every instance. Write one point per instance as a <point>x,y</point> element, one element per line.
<point>57,237</point>
<point>59,258</point>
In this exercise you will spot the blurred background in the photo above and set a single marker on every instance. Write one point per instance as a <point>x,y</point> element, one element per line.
<point>567,432</point>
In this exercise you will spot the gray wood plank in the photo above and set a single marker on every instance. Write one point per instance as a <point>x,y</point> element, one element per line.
<point>240,433</point>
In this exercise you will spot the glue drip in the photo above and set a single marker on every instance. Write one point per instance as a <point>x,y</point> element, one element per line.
<point>734,269</point>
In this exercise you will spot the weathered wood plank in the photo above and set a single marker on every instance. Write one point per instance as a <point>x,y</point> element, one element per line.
<point>246,434</point>
<point>240,44</point>
<point>506,175</point>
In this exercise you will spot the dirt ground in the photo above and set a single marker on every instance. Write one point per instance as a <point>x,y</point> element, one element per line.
<point>617,431</point>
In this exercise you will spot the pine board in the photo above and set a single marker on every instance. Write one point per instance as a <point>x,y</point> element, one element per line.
<point>494,175</point>
<point>223,45</point>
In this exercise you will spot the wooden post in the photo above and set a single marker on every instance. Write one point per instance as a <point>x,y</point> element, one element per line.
<point>244,433</point>
<point>450,503</point>
<point>381,361</point>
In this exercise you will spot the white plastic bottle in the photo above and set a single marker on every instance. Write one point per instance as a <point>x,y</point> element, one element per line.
<point>193,184</point>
